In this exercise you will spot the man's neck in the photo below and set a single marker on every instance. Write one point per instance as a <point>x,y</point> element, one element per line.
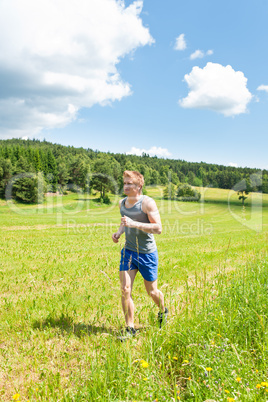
<point>132,199</point>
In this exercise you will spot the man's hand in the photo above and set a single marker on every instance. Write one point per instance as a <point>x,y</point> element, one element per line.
<point>128,222</point>
<point>115,237</point>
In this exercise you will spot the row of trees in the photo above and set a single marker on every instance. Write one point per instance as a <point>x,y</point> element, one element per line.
<point>182,192</point>
<point>55,167</point>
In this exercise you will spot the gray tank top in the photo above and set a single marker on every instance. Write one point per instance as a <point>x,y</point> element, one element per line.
<point>137,240</point>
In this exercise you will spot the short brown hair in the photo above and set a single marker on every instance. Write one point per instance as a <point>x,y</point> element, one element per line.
<point>137,177</point>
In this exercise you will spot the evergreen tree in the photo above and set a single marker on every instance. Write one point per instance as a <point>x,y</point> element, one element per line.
<point>52,171</point>
<point>6,172</point>
<point>37,161</point>
<point>29,189</point>
<point>63,174</point>
<point>23,166</point>
<point>79,172</point>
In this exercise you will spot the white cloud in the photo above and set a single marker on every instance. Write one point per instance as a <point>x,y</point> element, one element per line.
<point>180,43</point>
<point>217,88</point>
<point>199,54</point>
<point>57,56</point>
<point>233,164</point>
<point>263,88</point>
<point>153,151</point>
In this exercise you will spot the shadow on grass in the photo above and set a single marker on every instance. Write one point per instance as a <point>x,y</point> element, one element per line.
<point>225,202</point>
<point>94,201</point>
<point>67,325</point>
<point>238,203</point>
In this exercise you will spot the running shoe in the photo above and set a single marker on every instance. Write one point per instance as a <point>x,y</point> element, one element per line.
<point>162,317</point>
<point>128,333</point>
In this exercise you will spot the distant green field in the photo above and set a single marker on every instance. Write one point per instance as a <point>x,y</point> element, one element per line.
<point>60,296</point>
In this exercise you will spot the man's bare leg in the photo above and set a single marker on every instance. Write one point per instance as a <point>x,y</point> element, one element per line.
<point>156,295</point>
<point>127,280</point>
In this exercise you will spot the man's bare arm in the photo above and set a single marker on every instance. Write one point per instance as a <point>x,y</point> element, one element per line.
<point>116,236</point>
<point>151,210</point>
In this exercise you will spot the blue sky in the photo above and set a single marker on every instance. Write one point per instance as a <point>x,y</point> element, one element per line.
<point>108,76</point>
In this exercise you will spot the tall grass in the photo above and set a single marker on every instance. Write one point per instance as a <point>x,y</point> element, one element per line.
<point>215,349</point>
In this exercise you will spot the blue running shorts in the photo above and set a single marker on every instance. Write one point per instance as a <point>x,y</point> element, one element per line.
<point>147,264</point>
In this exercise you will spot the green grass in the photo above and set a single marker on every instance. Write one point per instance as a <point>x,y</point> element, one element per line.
<point>61,314</point>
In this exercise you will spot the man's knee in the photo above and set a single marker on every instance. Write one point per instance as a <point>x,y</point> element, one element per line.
<point>153,293</point>
<point>126,291</point>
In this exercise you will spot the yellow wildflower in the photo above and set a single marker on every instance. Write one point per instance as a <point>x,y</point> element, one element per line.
<point>145,379</point>
<point>227,392</point>
<point>185,361</point>
<point>208,369</point>
<point>230,399</point>
<point>264,384</point>
<point>189,378</point>
<point>257,371</point>
<point>266,390</point>
<point>238,379</point>
<point>16,397</point>
<point>175,358</point>
<point>144,364</point>
<point>258,386</point>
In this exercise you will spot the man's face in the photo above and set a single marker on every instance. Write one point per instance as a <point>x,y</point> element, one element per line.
<point>130,188</point>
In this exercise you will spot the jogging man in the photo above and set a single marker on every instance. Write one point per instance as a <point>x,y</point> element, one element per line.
<point>140,221</point>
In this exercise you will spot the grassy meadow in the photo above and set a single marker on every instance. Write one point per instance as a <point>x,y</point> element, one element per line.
<point>60,307</point>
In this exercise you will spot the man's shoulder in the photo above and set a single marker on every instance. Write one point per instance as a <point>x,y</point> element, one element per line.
<point>122,201</point>
<point>148,203</point>
<point>146,199</point>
